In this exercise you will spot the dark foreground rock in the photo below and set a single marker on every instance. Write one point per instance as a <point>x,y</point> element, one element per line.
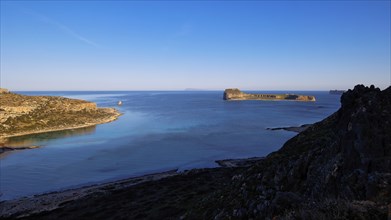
<point>167,198</point>
<point>239,162</point>
<point>339,168</point>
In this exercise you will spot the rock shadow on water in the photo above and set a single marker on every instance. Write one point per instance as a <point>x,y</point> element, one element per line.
<point>33,141</point>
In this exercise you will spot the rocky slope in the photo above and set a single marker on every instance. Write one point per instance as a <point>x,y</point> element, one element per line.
<point>20,114</point>
<point>339,168</point>
<point>236,94</point>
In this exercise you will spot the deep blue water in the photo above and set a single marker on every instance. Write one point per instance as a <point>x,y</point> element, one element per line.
<point>158,131</point>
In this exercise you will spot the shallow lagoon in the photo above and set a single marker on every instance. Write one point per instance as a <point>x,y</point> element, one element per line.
<point>158,131</point>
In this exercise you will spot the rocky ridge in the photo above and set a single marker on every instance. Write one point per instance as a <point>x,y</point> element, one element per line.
<point>339,168</point>
<point>21,114</point>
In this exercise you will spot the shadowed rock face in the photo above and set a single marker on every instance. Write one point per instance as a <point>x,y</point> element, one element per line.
<point>236,94</point>
<point>345,155</point>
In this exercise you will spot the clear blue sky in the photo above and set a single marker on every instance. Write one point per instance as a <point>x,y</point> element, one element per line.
<point>134,45</point>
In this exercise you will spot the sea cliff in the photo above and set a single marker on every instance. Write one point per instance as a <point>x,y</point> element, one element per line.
<point>236,94</point>
<point>21,114</point>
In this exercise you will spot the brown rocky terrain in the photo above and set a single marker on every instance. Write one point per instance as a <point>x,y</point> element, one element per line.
<point>21,114</point>
<point>4,91</point>
<point>236,94</point>
<point>339,168</point>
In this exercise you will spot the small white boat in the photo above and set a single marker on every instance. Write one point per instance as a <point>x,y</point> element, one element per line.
<point>119,102</point>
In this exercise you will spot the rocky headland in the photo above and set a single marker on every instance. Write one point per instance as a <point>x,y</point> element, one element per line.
<point>4,91</point>
<point>338,168</point>
<point>21,114</point>
<point>236,94</point>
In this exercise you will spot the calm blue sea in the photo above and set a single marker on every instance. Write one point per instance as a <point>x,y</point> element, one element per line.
<point>158,131</point>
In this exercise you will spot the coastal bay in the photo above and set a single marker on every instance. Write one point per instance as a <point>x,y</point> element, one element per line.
<point>284,184</point>
<point>223,110</point>
<point>147,138</point>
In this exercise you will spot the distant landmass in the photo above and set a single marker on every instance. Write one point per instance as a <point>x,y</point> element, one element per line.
<point>21,114</point>
<point>336,92</point>
<point>236,94</point>
<point>195,89</point>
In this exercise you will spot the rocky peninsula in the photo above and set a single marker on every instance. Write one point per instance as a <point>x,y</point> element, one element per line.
<point>338,168</point>
<point>236,94</point>
<point>22,115</point>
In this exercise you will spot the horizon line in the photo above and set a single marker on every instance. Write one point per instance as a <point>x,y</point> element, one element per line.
<point>170,90</point>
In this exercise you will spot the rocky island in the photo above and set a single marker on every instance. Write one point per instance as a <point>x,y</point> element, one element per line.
<point>236,94</point>
<point>21,114</point>
<point>338,168</point>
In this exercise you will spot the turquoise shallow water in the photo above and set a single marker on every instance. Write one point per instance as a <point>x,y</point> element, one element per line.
<point>158,131</point>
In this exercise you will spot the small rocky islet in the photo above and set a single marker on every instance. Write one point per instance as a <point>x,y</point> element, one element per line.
<point>22,114</point>
<point>237,95</point>
<point>338,168</point>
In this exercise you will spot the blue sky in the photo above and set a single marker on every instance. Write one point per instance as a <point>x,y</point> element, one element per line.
<point>134,45</point>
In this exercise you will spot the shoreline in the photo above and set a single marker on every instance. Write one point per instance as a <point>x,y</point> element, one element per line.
<point>51,200</point>
<point>296,129</point>
<point>28,205</point>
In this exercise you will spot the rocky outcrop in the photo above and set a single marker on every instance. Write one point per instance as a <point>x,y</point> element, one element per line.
<point>20,114</point>
<point>236,94</point>
<point>4,91</point>
<point>233,94</point>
